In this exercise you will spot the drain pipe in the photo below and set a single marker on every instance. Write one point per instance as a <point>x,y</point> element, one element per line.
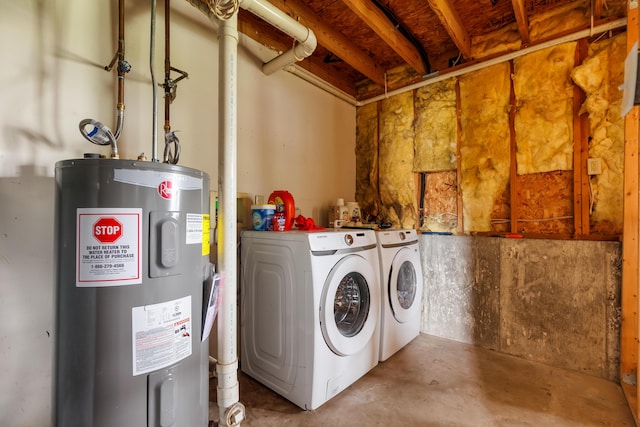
<point>231,411</point>
<point>305,38</point>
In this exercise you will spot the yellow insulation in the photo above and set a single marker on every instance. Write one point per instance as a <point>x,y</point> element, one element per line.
<point>435,130</point>
<point>484,149</point>
<point>600,75</point>
<point>575,14</point>
<point>544,115</point>
<point>506,39</point>
<point>367,159</point>
<point>397,186</point>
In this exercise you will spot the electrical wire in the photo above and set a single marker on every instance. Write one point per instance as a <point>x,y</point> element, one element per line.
<point>555,218</point>
<point>402,28</point>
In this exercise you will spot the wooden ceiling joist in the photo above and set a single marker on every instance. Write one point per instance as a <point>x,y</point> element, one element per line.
<point>265,34</point>
<point>451,22</point>
<point>597,8</point>
<point>368,47</point>
<point>380,24</point>
<point>333,40</point>
<point>520,11</point>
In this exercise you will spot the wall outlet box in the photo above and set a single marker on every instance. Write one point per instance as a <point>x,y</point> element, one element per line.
<point>594,166</point>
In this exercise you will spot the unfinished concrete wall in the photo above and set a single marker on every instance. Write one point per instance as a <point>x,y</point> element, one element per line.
<point>550,301</point>
<point>461,298</point>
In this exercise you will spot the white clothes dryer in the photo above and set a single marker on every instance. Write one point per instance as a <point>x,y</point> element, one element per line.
<point>309,313</point>
<point>402,286</point>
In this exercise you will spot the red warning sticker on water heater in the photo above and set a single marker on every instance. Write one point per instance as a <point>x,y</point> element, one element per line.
<point>108,247</point>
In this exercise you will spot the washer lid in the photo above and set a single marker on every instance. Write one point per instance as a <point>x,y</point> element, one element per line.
<point>404,286</point>
<point>349,305</point>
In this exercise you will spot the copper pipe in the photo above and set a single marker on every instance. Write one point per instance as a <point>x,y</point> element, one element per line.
<point>167,66</point>
<point>121,69</point>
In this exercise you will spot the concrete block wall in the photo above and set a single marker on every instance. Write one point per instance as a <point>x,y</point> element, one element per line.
<point>550,301</point>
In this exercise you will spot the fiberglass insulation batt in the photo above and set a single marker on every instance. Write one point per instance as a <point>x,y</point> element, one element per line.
<point>484,143</point>
<point>600,75</point>
<point>435,138</point>
<point>544,114</point>
<point>397,186</point>
<point>367,159</point>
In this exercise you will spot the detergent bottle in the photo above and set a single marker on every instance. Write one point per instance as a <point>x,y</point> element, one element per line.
<point>285,210</point>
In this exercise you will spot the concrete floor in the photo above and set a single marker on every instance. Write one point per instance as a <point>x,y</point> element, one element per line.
<point>439,382</point>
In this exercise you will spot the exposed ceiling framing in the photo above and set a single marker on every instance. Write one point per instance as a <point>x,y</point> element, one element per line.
<point>366,47</point>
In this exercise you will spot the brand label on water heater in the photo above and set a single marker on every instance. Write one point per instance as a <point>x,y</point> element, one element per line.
<point>161,334</point>
<point>108,247</point>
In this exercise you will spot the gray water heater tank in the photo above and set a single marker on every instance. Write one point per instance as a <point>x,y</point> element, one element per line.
<point>132,251</point>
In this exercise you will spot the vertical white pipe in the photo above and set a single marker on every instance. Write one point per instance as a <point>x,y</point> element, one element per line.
<point>154,86</point>
<point>306,38</point>
<point>227,366</point>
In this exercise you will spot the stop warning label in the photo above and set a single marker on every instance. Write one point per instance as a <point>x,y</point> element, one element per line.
<point>107,229</point>
<point>108,249</point>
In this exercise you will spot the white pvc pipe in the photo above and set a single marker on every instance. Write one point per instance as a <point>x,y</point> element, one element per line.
<point>319,83</point>
<point>316,81</point>
<point>509,56</point>
<point>306,39</point>
<point>227,365</point>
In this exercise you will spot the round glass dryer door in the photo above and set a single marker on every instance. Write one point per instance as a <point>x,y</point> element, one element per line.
<point>349,306</point>
<point>404,292</point>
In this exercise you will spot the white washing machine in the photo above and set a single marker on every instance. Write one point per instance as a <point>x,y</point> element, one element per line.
<point>309,311</point>
<point>402,284</point>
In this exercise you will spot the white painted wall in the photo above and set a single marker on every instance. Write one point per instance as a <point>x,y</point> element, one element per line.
<point>291,136</point>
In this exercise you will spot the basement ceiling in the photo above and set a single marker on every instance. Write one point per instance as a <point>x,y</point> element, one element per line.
<point>367,47</point>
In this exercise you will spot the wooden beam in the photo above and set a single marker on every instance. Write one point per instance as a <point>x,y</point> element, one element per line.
<point>333,40</point>
<point>581,197</point>
<point>520,11</point>
<point>597,9</point>
<point>380,24</point>
<point>629,353</point>
<point>451,22</point>
<point>514,201</point>
<point>258,30</point>
<point>460,228</point>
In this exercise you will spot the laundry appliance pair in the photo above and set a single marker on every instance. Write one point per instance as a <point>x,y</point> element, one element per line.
<point>314,315</point>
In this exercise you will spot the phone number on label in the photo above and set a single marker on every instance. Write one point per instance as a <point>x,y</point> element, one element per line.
<point>107,266</point>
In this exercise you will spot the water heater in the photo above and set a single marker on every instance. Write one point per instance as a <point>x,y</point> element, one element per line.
<point>132,251</point>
